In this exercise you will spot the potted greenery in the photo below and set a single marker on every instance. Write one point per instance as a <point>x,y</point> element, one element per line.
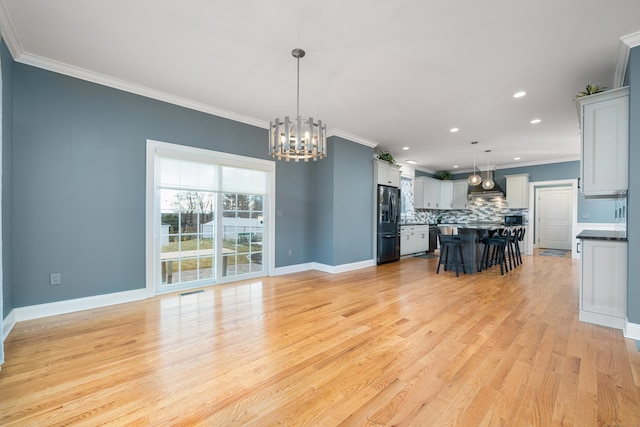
<point>444,175</point>
<point>387,157</point>
<point>591,89</point>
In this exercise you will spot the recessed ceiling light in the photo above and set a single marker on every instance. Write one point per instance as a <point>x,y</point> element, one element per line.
<point>455,166</point>
<point>519,94</point>
<point>535,121</point>
<point>454,130</point>
<point>405,148</point>
<point>516,158</point>
<point>412,162</point>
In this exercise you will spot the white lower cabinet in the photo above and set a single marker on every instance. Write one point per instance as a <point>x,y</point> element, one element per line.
<point>414,239</point>
<point>603,282</point>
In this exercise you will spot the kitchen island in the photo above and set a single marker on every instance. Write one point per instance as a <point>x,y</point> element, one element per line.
<point>471,235</point>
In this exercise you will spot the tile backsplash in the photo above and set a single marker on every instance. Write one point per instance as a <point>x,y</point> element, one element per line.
<point>479,209</point>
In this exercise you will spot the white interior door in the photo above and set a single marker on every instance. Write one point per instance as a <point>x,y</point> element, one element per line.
<point>554,215</point>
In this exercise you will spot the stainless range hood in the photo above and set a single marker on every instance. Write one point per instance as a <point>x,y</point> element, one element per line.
<point>478,191</point>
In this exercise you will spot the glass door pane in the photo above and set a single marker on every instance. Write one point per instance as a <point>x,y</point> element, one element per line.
<point>187,236</point>
<point>242,228</point>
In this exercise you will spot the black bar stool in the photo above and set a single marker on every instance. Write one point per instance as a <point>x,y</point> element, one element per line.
<point>518,242</point>
<point>495,250</point>
<point>517,235</point>
<point>450,243</point>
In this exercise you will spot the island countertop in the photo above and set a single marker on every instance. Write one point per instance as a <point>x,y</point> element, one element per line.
<point>619,235</point>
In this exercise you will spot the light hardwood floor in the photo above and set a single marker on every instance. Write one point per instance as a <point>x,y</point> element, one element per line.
<point>389,345</point>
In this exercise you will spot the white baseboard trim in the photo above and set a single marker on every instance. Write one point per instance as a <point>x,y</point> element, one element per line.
<point>331,269</point>
<point>8,323</point>
<point>632,330</point>
<point>297,268</point>
<point>78,304</point>
<point>336,269</point>
<point>602,319</point>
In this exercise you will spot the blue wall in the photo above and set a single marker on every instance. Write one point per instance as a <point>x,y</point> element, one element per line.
<point>589,210</point>
<point>77,189</point>
<point>7,168</point>
<point>344,204</point>
<point>294,201</point>
<point>633,203</point>
<point>324,206</point>
<point>353,194</point>
<point>79,183</point>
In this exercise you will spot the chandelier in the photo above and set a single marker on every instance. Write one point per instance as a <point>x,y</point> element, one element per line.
<point>474,179</point>
<point>299,138</point>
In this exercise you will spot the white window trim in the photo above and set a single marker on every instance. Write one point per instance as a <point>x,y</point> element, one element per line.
<point>198,154</point>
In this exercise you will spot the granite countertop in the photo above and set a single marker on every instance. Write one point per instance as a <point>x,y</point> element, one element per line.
<point>603,235</point>
<point>481,226</point>
<point>471,224</point>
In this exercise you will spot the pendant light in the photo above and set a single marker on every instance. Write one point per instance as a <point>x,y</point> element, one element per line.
<point>474,179</point>
<point>488,183</point>
<point>301,138</point>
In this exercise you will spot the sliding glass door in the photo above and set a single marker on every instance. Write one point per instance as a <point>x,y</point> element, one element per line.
<point>209,218</point>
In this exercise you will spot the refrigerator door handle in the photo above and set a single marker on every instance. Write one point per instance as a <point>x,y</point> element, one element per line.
<point>392,208</point>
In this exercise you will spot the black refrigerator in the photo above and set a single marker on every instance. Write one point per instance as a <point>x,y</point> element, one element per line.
<point>388,224</point>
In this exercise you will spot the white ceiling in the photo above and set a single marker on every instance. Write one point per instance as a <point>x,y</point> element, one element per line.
<point>386,73</point>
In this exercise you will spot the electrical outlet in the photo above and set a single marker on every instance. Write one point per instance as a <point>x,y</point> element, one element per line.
<point>55,279</point>
<point>290,252</point>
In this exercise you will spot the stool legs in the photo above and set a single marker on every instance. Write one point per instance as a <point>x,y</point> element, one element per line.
<point>457,260</point>
<point>494,253</point>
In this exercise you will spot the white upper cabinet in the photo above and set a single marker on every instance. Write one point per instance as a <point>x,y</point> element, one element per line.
<point>387,174</point>
<point>460,194</point>
<point>518,191</point>
<point>431,193</point>
<point>604,121</point>
<point>446,195</point>
<point>418,192</point>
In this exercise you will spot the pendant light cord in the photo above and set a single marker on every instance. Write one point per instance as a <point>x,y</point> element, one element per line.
<point>298,91</point>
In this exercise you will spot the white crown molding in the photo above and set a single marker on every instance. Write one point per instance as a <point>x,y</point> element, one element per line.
<point>82,74</point>
<point>514,165</point>
<point>426,170</point>
<point>351,137</point>
<point>541,162</point>
<point>625,45</point>
<point>8,33</point>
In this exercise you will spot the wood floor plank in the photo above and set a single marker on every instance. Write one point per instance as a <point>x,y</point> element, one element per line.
<point>395,344</point>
